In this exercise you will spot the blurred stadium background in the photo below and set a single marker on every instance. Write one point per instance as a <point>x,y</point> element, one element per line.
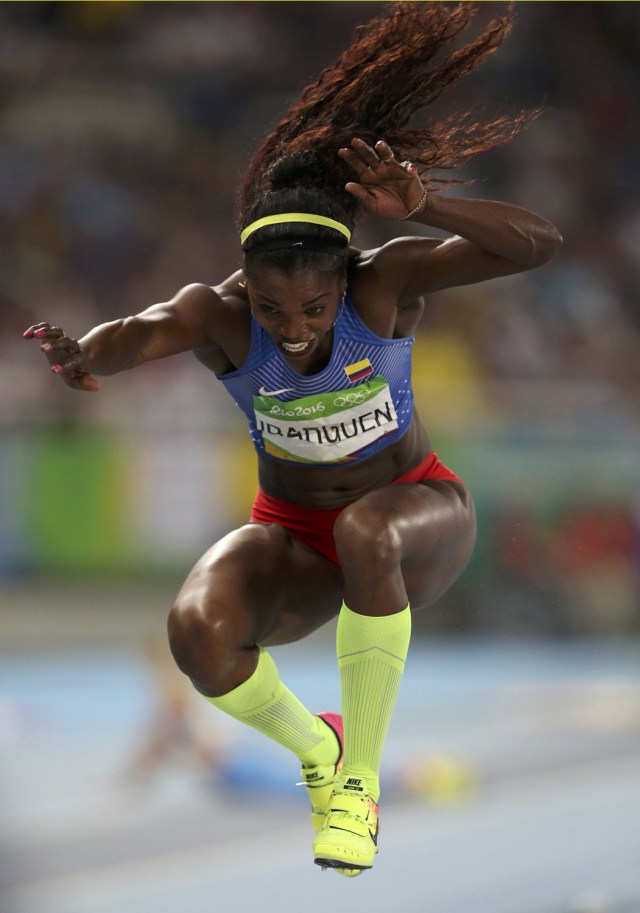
<point>124,130</point>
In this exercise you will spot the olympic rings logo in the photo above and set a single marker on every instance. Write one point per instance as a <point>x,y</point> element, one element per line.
<point>350,399</point>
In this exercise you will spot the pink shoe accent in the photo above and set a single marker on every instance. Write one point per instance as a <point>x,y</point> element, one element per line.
<point>334,721</point>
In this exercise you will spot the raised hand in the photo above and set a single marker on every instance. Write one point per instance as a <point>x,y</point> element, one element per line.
<point>385,186</point>
<point>64,355</point>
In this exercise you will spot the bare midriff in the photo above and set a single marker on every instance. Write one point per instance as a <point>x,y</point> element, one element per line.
<point>325,487</point>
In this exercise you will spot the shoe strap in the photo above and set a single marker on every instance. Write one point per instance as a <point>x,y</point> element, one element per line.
<point>356,805</point>
<point>317,776</point>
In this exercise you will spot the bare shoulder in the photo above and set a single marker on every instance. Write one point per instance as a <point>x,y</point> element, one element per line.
<point>232,292</point>
<point>209,307</point>
<point>378,281</point>
<point>196,304</point>
<point>389,267</point>
<point>229,323</point>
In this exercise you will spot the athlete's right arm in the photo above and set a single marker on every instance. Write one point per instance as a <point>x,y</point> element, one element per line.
<point>179,325</point>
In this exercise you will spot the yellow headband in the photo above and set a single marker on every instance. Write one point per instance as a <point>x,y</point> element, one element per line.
<point>295,217</point>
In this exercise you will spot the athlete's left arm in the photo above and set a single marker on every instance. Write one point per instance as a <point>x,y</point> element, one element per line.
<point>490,239</point>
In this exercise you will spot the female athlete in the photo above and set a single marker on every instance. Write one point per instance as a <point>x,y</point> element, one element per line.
<point>355,516</point>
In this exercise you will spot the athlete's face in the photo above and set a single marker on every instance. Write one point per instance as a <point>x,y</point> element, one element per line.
<point>296,311</point>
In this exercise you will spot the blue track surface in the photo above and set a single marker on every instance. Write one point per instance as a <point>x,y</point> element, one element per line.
<point>550,732</point>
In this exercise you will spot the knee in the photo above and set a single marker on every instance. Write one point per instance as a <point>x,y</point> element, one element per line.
<point>187,629</point>
<point>204,647</point>
<point>369,537</point>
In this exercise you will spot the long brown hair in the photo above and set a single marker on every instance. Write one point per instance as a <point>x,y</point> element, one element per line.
<point>394,67</point>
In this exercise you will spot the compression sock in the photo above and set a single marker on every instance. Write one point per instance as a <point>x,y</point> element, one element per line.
<point>266,704</point>
<point>371,657</point>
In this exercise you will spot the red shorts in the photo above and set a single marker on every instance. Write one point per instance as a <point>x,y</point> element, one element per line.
<point>315,527</point>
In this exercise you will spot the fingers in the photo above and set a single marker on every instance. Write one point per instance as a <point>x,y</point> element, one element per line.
<point>360,156</point>
<point>60,349</point>
<point>64,355</point>
<point>351,157</point>
<point>83,382</point>
<point>61,352</point>
<point>55,345</point>
<point>363,158</point>
<point>384,151</point>
<point>357,190</point>
<point>72,370</point>
<point>43,331</point>
<point>366,153</point>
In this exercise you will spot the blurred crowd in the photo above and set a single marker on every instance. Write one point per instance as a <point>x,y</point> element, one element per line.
<point>126,127</point>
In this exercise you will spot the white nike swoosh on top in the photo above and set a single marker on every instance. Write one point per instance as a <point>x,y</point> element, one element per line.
<point>263,392</point>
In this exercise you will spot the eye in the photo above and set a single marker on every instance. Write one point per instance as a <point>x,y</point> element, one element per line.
<point>314,311</point>
<point>268,310</point>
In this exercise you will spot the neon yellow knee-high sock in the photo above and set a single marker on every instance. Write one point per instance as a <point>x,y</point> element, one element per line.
<point>266,704</point>
<point>371,657</point>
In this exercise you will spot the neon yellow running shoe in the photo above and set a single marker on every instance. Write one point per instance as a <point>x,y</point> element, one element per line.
<point>319,780</point>
<point>348,842</point>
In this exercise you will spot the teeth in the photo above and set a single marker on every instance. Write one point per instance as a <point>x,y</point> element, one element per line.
<point>295,346</point>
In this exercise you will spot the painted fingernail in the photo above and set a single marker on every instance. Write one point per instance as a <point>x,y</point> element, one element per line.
<point>40,332</point>
<point>26,334</point>
<point>57,369</point>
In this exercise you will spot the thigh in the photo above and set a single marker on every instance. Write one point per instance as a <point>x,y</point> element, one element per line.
<point>440,538</point>
<point>407,542</point>
<point>264,586</point>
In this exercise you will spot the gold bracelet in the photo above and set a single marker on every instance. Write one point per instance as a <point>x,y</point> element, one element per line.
<point>418,207</point>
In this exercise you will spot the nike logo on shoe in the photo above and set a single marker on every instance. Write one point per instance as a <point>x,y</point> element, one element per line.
<point>263,392</point>
<point>355,784</point>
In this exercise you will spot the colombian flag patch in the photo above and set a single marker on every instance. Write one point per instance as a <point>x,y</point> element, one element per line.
<point>358,370</point>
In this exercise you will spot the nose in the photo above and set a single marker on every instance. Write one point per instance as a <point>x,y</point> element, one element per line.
<point>293,329</point>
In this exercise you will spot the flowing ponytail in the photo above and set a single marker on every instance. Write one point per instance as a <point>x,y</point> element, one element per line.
<point>394,67</point>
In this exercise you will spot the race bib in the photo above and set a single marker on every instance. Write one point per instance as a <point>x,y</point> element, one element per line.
<point>326,427</point>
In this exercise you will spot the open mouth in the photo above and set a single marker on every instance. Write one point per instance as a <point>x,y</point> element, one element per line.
<point>296,348</point>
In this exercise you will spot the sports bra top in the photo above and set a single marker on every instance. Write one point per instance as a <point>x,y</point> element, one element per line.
<point>360,403</point>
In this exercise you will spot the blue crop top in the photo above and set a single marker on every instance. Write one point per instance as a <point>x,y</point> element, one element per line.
<point>360,403</point>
